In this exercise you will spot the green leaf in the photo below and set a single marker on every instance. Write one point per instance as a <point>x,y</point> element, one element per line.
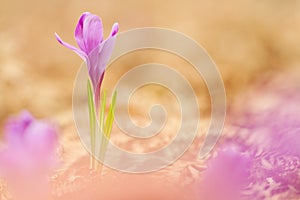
<point>109,123</point>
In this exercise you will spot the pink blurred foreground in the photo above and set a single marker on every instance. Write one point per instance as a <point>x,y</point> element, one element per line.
<point>28,157</point>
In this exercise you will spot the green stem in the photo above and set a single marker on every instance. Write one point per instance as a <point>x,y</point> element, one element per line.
<point>105,125</point>
<point>101,126</point>
<point>92,116</point>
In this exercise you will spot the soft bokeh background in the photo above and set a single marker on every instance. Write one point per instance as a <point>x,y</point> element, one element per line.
<point>247,39</point>
<point>251,41</point>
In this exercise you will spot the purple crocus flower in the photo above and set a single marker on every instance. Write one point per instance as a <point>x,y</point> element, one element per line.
<point>92,48</point>
<point>28,156</point>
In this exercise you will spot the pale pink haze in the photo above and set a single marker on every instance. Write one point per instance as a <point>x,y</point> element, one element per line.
<point>28,156</point>
<point>93,49</point>
<point>226,175</point>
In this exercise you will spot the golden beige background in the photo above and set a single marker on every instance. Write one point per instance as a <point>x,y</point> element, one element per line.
<point>247,40</point>
<point>251,41</point>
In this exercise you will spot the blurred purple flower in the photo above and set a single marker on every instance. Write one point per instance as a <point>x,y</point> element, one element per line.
<point>269,127</point>
<point>28,156</point>
<point>226,175</point>
<point>92,49</point>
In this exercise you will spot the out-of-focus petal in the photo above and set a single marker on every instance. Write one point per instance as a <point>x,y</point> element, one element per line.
<point>25,165</point>
<point>41,138</point>
<point>227,174</point>
<point>3,162</point>
<point>82,54</point>
<point>15,127</point>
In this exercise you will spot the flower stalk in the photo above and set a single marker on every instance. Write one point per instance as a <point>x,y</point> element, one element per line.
<point>92,116</point>
<point>102,126</point>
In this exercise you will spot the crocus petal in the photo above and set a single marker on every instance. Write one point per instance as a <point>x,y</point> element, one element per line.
<point>114,30</point>
<point>89,32</point>
<point>82,54</point>
<point>98,61</point>
<point>104,53</point>
<point>79,31</point>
